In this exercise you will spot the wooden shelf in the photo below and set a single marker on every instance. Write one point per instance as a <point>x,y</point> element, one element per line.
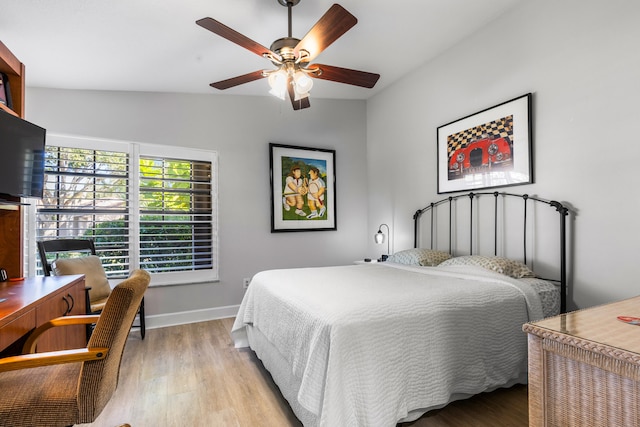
<point>14,69</point>
<point>8,62</point>
<point>11,220</point>
<point>8,110</point>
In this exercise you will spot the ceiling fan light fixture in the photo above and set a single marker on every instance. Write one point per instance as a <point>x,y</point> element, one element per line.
<point>278,94</point>
<point>299,95</point>
<point>278,82</point>
<point>303,82</point>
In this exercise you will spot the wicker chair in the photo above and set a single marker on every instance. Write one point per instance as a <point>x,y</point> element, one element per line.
<point>63,388</point>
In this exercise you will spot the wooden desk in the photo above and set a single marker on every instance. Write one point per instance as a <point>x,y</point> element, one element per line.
<point>584,368</point>
<point>31,302</point>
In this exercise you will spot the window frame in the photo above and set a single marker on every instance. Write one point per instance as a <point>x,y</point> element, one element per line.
<point>134,150</point>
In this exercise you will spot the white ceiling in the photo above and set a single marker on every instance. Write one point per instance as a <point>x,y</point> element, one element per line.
<point>155,45</point>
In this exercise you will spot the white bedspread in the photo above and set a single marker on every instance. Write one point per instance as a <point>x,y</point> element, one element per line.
<point>371,343</point>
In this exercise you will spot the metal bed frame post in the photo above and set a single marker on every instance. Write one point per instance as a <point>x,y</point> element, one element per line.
<point>450,228</point>
<point>471,195</point>
<point>495,223</point>
<point>564,212</point>
<point>525,197</point>
<point>432,211</point>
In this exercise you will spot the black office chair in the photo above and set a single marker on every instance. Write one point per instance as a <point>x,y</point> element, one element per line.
<point>86,263</point>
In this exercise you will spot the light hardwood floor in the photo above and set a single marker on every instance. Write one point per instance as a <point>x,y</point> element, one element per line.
<point>191,375</point>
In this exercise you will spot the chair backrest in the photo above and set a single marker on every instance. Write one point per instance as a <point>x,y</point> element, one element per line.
<point>46,248</point>
<point>99,378</point>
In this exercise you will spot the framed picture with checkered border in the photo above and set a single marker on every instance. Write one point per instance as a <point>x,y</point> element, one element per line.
<point>487,149</point>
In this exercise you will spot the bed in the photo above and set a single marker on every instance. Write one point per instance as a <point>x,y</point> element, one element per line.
<point>375,344</point>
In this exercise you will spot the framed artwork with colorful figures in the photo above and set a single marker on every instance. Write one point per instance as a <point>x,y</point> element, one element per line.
<point>488,149</point>
<point>303,188</point>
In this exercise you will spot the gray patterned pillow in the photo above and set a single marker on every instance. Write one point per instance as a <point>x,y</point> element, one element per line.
<point>419,256</point>
<point>500,265</point>
<point>549,294</point>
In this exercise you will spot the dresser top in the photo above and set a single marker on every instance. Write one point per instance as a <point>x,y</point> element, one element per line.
<point>597,325</point>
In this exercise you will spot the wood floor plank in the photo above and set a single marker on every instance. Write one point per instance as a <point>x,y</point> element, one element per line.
<point>191,375</point>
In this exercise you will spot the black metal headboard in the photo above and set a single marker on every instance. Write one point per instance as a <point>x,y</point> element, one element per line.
<point>449,201</point>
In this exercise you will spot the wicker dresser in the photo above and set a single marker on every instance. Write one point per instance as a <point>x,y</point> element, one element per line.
<point>584,368</point>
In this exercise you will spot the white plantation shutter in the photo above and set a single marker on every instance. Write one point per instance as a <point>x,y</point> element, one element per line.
<point>145,206</point>
<point>175,214</point>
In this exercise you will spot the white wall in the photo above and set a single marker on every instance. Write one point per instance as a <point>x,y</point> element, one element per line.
<point>239,128</point>
<point>581,61</point>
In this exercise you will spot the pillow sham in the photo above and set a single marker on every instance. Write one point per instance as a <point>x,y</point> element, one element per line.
<point>549,293</point>
<point>501,265</point>
<point>94,274</point>
<point>419,256</point>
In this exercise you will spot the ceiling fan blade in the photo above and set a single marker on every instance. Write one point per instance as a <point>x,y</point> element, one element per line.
<point>235,81</point>
<point>222,30</point>
<point>299,104</point>
<point>333,24</point>
<point>345,75</point>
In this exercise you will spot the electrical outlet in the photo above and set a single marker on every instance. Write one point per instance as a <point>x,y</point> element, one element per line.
<point>245,282</point>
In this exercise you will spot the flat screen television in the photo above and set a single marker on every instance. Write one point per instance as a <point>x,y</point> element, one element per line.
<point>21,156</point>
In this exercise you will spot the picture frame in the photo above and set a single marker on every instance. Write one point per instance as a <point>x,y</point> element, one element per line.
<point>487,149</point>
<point>303,188</point>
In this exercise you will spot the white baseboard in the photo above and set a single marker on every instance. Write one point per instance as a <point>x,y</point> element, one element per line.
<point>184,317</point>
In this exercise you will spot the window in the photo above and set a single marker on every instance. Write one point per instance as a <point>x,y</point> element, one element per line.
<point>146,206</point>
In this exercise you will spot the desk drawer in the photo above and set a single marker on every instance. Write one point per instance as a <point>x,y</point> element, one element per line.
<point>17,328</point>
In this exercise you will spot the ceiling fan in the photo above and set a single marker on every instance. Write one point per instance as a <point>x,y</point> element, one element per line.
<point>292,57</point>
